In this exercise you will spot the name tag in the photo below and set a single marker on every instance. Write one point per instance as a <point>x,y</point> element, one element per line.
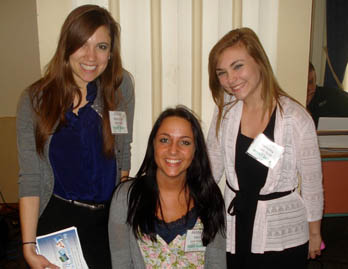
<point>118,122</point>
<point>194,240</point>
<point>265,151</point>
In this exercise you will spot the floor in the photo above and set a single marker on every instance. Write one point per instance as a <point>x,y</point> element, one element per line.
<point>334,232</point>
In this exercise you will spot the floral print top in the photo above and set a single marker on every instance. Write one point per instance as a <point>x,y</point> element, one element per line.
<point>162,255</point>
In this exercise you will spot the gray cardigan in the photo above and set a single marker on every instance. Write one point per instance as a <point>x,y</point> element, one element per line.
<point>125,251</point>
<point>35,173</point>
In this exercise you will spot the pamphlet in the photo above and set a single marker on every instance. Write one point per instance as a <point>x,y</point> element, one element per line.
<point>62,248</point>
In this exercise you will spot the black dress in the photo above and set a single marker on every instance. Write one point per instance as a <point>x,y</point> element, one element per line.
<point>251,176</point>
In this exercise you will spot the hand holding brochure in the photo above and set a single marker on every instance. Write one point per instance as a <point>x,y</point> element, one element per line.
<point>62,248</point>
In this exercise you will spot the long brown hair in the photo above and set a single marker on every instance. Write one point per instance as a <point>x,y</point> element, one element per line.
<point>248,39</point>
<point>53,95</point>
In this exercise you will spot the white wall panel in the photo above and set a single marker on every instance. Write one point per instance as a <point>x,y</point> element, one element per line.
<point>262,17</point>
<point>210,36</point>
<point>225,16</point>
<point>170,40</point>
<point>185,52</point>
<point>217,21</point>
<point>250,14</point>
<point>102,3</point>
<point>197,10</point>
<point>136,57</point>
<point>268,29</point>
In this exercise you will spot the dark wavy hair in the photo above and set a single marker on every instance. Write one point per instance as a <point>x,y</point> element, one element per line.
<point>143,195</point>
<point>53,95</point>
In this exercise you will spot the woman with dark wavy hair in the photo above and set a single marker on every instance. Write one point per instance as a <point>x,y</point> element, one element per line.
<point>262,140</point>
<point>70,156</point>
<point>171,215</point>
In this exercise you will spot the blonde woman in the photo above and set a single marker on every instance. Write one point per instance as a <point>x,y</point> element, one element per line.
<point>269,224</point>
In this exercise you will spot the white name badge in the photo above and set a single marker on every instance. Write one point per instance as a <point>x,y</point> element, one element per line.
<point>265,151</point>
<point>118,122</point>
<point>194,240</point>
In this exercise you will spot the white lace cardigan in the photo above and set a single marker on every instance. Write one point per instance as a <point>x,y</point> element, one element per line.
<point>280,223</point>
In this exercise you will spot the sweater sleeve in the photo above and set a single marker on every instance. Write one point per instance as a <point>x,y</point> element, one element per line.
<point>28,159</point>
<point>123,141</point>
<point>119,230</point>
<point>215,149</point>
<point>215,255</point>
<point>309,167</point>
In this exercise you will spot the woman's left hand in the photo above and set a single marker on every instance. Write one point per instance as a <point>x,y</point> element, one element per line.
<point>314,245</point>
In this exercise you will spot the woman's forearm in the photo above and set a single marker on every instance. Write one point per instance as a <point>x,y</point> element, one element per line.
<point>29,214</point>
<point>314,227</point>
<point>314,239</point>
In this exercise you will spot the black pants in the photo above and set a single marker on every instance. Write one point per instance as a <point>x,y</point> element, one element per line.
<point>295,257</point>
<point>92,228</point>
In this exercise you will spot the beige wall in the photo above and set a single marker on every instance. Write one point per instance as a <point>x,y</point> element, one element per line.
<point>19,50</point>
<point>294,24</point>
<point>50,17</point>
<point>8,160</point>
<point>20,66</point>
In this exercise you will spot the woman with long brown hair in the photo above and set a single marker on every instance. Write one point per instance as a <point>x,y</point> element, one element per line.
<point>71,155</point>
<point>262,139</point>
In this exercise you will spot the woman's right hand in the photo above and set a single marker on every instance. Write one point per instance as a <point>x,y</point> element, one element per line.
<point>34,260</point>
<point>29,215</point>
